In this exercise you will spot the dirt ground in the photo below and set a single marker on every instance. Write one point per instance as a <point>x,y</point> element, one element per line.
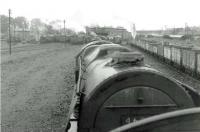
<point>36,87</point>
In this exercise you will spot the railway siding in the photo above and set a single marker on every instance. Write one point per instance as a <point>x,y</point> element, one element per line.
<point>198,63</point>
<point>169,67</point>
<point>184,57</point>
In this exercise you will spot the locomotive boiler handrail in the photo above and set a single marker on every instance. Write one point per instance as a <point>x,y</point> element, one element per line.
<point>154,119</point>
<point>75,98</point>
<point>80,75</point>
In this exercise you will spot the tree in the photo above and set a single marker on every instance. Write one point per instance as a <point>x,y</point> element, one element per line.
<point>81,33</point>
<point>37,27</point>
<point>70,31</point>
<point>21,22</point>
<point>56,24</point>
<point>49,29</point>
<point>36,23</point>
<point>5,24</point>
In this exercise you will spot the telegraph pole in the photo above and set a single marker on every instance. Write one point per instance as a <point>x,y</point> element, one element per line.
<point>64,33</point>
<point>14,31</point>
<point>186,28</point>
<point>174,32</point>
<point>9,12</point>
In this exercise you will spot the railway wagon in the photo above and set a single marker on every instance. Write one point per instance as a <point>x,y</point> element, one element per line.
<point>137,44</point>
<point>155,49</point>
<point>176,55</point>
<point>141,44</point>
<point>150,48</point>
<point>116,91</point>
<point>160,50</point>
<point>183,57</point>
<point>167,53</point>
<point>189,59</point>
<point>198,63</point>
<point>146,46</point>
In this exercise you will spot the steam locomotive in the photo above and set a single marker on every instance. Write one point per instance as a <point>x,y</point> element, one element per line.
<point>115,91</point>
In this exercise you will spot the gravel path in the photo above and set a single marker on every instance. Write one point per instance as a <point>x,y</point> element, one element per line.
<point>36,88</point>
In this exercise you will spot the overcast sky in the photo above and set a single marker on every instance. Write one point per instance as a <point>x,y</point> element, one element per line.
<point>146,14</point>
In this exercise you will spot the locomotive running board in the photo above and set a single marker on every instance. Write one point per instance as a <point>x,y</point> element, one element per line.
<point>74,124</point>
<point>70,118</point>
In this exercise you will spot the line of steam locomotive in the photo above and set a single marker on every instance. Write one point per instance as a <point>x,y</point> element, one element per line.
<point>115,91</point>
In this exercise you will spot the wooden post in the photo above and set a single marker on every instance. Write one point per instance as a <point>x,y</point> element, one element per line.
<point>64,33</point>
<point>9,12</point>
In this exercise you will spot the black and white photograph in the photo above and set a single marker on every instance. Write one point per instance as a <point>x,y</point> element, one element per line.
<point>100,65</point>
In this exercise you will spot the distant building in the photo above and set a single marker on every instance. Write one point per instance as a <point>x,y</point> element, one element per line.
<point>109,31</point>
<point>36,35</point>
<point>26,35</point>
<point>22,34</point>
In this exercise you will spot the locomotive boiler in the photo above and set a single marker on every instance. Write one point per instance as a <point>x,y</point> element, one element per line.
<point>116,91</point>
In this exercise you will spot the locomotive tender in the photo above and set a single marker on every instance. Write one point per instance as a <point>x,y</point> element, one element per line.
<point>116,91</point>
